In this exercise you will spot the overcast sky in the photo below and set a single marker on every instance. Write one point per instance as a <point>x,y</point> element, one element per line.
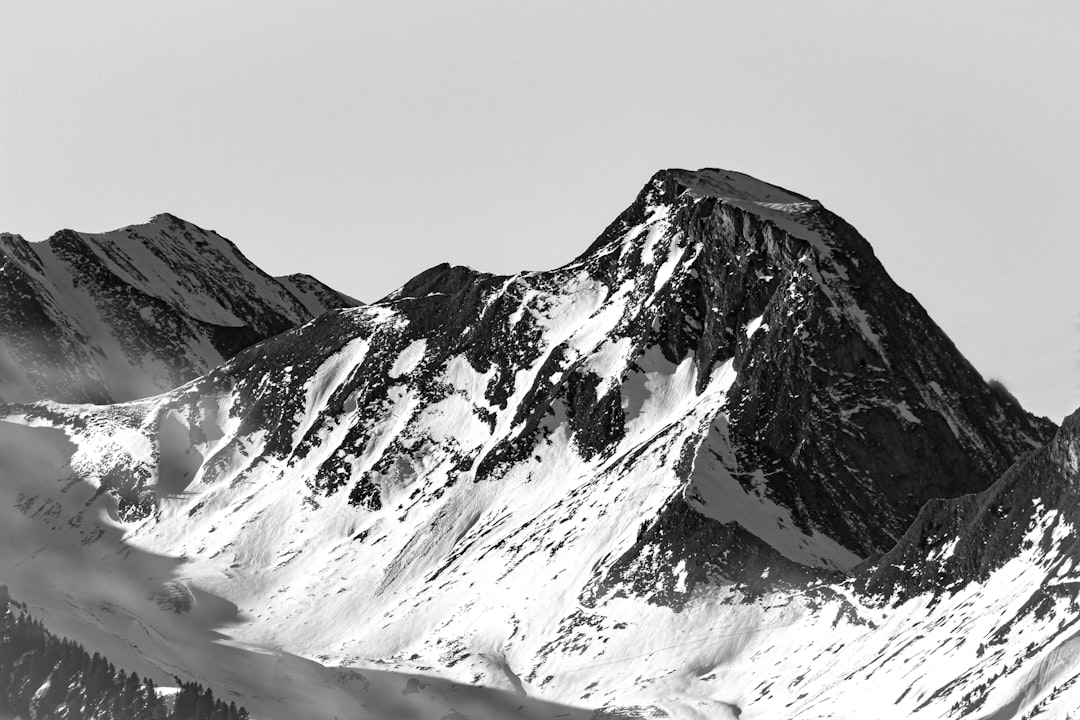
<point>364,142</point>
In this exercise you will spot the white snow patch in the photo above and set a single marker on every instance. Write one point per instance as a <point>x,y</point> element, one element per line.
<point>905,412</point>
<point>609,360</point>
<point>409,358</point>
<point>753,326</point>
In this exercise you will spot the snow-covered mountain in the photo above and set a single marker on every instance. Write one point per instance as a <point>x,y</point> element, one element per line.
<point>134,312</point>
<point>649,483</point>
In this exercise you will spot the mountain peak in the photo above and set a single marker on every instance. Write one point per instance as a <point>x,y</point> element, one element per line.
<point>168,221</point>
<point>730,185</point>
<point>166,217</point>
<point>695,195</point>
<point>131,312</point>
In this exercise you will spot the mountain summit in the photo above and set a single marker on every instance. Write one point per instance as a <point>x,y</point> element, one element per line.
<point>133,312</point>
<point>687,437</point>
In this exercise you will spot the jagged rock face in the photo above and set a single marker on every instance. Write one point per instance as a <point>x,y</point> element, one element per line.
<point>853,403</point>
<point>137,311</point>
<point>724,400</point>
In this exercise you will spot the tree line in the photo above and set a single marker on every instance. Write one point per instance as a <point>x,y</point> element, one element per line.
<point>44,677</point>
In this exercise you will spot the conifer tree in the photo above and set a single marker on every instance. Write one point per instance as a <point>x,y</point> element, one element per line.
<point>84,686</point>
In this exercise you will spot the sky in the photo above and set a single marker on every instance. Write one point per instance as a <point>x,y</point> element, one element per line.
<point>363,142</point>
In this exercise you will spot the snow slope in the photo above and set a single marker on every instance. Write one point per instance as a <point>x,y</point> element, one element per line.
<point>63,550</point>
<point>636,484</point>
